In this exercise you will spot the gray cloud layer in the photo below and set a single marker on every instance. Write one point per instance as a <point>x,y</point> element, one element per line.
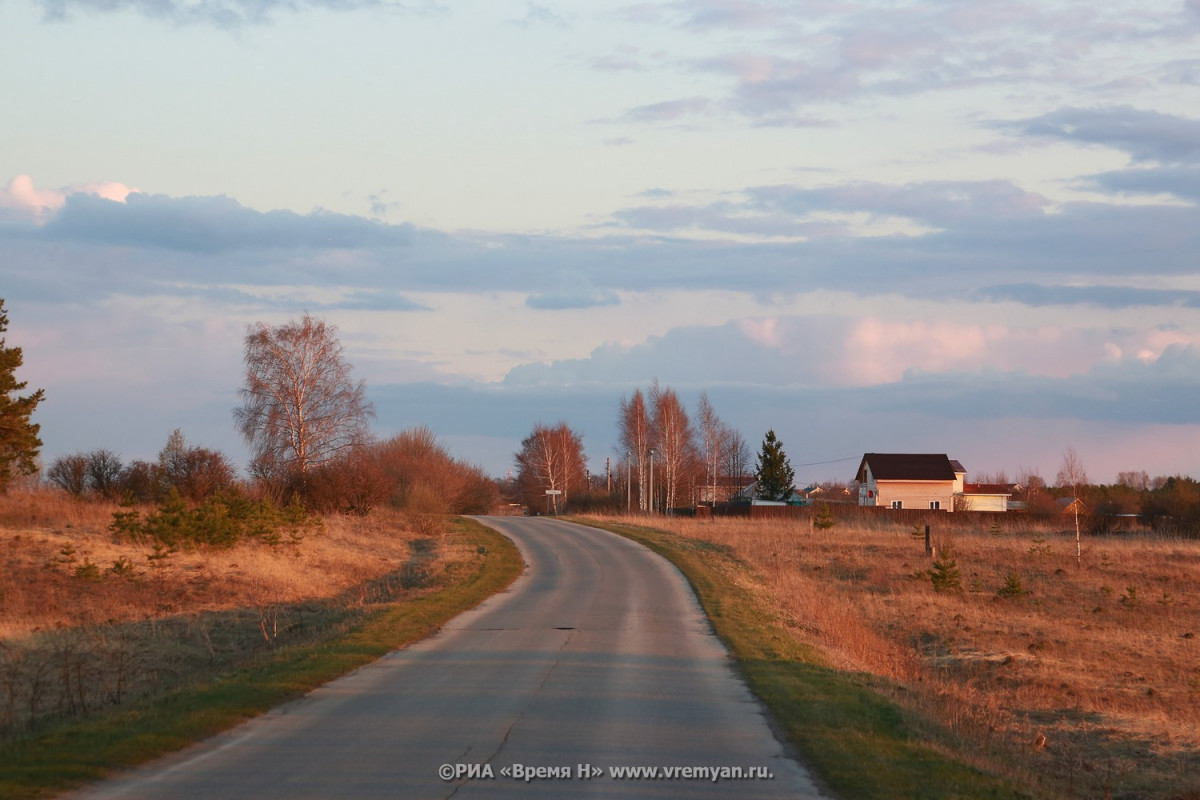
<point>975,231</point>
<point>225,14</point>
<point>1147,136</point>
<point>214,225</point>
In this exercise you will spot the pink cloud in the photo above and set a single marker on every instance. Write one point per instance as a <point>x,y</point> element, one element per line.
<point>877,351</point>
<point>764,331</point>
<point>22,196</point>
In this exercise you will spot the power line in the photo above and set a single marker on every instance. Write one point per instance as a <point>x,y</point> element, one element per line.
<point>831,461</point>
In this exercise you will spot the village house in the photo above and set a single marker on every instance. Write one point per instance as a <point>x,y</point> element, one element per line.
<point>907,480</point>
<point>929,481</point>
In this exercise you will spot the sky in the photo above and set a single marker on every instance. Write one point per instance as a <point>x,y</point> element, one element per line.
<point>874,226</point>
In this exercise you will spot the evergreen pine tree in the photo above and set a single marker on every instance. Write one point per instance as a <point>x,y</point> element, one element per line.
<point>823,519</point>
<point>945,575</point>
<point>774,472</point>
<point>19,442</point>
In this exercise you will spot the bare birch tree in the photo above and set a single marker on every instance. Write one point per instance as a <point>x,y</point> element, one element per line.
<point>714,435</point>
<point>301,408</point>
<point>1072,474</point>
<point>637,438</point>
<point>551,463</point>
<point>674,441</point>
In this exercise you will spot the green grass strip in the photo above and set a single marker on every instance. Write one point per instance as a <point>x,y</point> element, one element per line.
<point>855,741</point>
<point>71,754</point>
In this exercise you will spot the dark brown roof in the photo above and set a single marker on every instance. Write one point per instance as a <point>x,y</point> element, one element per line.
<point>907,467</point>
<point>988,488</point>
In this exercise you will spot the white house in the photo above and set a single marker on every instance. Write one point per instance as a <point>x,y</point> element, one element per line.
<point>929,481</point>
<point>908,480</point>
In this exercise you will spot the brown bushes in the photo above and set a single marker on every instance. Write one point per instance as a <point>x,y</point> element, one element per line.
<point>410,471</point>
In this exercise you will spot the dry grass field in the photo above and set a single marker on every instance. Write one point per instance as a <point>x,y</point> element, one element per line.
<point>1088,672</point>
<point>87,622</point>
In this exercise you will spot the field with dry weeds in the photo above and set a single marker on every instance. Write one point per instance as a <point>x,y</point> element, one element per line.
<point>87,622</point>
<point>1085,674</point>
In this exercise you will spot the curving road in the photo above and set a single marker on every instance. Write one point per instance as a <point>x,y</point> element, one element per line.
<point>597,658</point>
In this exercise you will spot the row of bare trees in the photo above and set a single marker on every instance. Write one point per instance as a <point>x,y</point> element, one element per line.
<point>686,461</point>
<point>656,433</point>
<point>194,472</point>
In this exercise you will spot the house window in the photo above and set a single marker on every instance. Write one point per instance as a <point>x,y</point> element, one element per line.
<point>897,504</point>
<point>935,505</point>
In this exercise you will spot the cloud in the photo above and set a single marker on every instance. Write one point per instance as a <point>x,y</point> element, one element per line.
<point>23,201</point>
<point>581,297</point>
<point>670,110</point>
<point>623,59</point>
<point>726,217</point>
<point>213,225</point>
<point>945,237</point>
<point>224,14</point>
<point>881,366</point>
<point>787,57</point>
<point>1113,297</point>
<point>937,203</point>
<point>1133,390</point>
<point>694,355</point>
<point>1182,181</point>
<point>881,343</point>
<point>536,14</point>
<point>1143,135</point>
<point>725,14</point>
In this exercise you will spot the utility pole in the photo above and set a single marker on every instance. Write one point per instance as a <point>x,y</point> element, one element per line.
<point>652,481</point>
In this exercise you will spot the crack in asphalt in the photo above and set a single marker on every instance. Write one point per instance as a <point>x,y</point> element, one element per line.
<point>571,632</point>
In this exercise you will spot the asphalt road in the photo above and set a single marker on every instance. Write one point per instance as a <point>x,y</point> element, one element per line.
<point>597,658</point>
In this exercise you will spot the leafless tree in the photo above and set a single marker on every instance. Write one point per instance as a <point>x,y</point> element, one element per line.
<point>104,469</point>
<point>735,457</point>
<point>195,472</point>
<point>714,436</point>
<point>301,408</point>
<point>551,460</point>
<point>70,472</point>
<point>637,439</point>
<point>674,441</point>
<point>1072,474</point>
<point>419,469</point>
<point>1139,481</point>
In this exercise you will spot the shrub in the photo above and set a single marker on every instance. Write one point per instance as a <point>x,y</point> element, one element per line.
<point>1012,587</point>
<point>219,521</point>
<point>945,575</point>
<point>70,473</point>
<point>823,519</point>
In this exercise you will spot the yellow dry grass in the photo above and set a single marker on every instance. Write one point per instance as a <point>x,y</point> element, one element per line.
<point>1093,672</point>
<point>49,540</point>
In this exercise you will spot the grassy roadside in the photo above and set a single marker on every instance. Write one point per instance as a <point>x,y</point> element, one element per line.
<point>68,755</point>
<point>857,742</point>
